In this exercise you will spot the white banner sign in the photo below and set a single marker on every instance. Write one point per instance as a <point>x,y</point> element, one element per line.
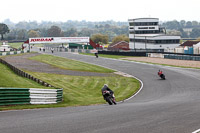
<point>59,40</point>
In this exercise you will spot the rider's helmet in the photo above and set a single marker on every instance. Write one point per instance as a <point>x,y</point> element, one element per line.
<point>105,85</point>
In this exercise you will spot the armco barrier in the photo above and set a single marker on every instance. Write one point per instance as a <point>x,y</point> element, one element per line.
<point>182,57</point>
<point>14,96</point>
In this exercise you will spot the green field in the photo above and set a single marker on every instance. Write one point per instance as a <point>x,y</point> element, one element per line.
<point>19,45</point>
<point>9,79</point>
<point>70,64</point>
<point>77,90</point>
<point>16,45</point>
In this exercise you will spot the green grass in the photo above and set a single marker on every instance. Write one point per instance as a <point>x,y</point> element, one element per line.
<point>77,90</point>
<point>9,79</point>
<point>81,91</point>
<point>16,45</point>
<point>85,90</point>
<point>68,64</point>
<point>19,45</point>
<point>108,56</point>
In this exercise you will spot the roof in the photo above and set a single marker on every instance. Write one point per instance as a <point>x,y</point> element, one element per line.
<point>141,19</point>
<point>117,43</point>
<point>189,43</point>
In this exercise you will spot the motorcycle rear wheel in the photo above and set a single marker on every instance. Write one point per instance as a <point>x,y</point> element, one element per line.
<point>109,100</point>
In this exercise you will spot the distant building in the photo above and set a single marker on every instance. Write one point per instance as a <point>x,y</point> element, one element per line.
<point>5,47</point>
<point>189,43</point>
<point>146,33</point>
<point>191,47</point>
<point>122,45</point>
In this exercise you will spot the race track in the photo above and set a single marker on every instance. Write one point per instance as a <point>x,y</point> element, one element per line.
<point>162,106</point>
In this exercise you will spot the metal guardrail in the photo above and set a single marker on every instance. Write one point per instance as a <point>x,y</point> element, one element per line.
<point>14,96</point>
<point>182,57</point>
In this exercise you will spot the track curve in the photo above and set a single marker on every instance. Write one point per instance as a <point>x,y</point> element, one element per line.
<point>167,106</point>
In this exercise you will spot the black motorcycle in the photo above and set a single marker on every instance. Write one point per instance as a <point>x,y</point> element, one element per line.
<point>108,97</point>
<point>162,76</point>
<point>96,54</point>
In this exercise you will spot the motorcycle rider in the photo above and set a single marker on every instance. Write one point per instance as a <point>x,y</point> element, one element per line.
<point>106,88</point>
<point>160,73</point>
<point>96,54</point>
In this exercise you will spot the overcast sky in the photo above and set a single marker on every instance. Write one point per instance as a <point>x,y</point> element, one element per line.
<point>98,10</point>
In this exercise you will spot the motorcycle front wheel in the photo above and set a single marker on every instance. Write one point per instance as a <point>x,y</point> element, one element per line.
<point>108,99</point>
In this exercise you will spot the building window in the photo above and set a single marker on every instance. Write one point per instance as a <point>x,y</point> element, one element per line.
<point>131,24</point>
<point>155,41</point>
<point>147,32</point>
<point>142,27</point>
<point>143,23</point>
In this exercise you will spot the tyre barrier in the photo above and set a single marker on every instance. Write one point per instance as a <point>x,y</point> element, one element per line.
<point>13,52</point>
<point>15,96</point>
<point>12,96</point>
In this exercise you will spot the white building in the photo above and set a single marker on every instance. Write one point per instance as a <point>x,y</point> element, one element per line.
<point>146,33</point>
<point>4,48</point>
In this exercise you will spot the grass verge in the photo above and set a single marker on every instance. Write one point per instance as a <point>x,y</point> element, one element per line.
<point>9,79</point>
<point>16,44</point>
<point>77,90</point>
<point>68,64</point>
<point>84,90</point>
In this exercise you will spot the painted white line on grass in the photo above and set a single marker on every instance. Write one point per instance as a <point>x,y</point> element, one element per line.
<point>197,131</point>
<point>136,92</point>
<point>116,71</point>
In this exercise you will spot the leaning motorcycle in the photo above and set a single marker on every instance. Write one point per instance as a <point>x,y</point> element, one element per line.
<point>108,97</point>
<point>162,76</point>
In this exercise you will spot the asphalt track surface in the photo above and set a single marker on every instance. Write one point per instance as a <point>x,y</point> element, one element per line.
<point>162,106</point>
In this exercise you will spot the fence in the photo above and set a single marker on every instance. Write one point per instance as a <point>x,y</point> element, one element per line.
<point>174,56</point>
<point>182,57</point>
<point>11,96</point>
<point>69,50</point>
<point>14,96</point>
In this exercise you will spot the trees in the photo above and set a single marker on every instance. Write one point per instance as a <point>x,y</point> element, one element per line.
<point>100,38</point>
<point>120,38</point>
<point>72,32</point>
<point>188,24</point>
<point>86,32</point>
<point>182,23</point>
<point>22,34</point>
<point>172,25</point>
<point>183,33</point>
<point>195,24</point>
<point>195,33</point>
<point>33,33</point>
<point>55,31</point>
<point>3,30</point>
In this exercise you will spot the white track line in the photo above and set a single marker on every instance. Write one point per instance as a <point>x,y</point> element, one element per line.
<point>116,71</point>
<point>197,131</point>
